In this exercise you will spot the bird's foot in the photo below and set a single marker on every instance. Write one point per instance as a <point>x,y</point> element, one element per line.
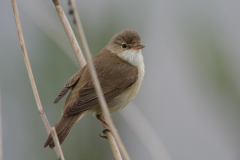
<point>105,131</point>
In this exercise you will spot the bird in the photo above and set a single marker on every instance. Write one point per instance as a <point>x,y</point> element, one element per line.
<point>120,70</point>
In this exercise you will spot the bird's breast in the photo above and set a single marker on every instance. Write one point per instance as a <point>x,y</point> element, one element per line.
<point>124,98</point>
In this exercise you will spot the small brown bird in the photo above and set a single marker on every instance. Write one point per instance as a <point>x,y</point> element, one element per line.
<point>120,70</point>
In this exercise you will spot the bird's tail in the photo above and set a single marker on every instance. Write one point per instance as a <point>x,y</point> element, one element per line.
<point>63,127</point>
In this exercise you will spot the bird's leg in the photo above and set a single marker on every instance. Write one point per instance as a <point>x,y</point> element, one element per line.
<point>99,117</point>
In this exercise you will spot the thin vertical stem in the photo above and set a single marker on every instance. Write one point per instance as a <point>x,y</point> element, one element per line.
<point>97,86</point>
<point>25,56</point>
<point>57,144</point>
<point>70,34</point>
<point>113,145</point>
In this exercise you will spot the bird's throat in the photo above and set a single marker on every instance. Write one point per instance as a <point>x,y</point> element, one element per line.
<point>132,56</point>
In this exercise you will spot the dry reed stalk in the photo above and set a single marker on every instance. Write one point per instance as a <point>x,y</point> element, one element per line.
<point>25,56</point>
<point>113,145</point>
<point>70,34</point>
<point>111,139</point>
<point>57,144</point>
<point>93,73</point>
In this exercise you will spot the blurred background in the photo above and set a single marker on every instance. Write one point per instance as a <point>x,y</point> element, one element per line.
<point>188,107</point>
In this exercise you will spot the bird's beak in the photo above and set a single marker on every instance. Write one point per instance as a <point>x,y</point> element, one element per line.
<point>138,47</point>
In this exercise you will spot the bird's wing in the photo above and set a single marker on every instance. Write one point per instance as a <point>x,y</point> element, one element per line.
<point>70,83</point>
<point>114,80</point>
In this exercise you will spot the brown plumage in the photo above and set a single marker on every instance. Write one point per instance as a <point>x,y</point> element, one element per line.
<point>117,78</point>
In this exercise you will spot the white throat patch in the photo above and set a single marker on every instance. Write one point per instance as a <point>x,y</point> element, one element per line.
<point>132,56</point>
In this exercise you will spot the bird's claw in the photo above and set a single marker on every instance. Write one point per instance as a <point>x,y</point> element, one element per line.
<point>105,131</point>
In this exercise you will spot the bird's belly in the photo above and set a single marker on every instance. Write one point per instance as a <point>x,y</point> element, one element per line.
<point>121,100</point>
<point>124,98</point>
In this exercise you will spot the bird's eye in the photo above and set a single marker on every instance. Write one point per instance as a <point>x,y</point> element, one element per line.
<point>124,45</point>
